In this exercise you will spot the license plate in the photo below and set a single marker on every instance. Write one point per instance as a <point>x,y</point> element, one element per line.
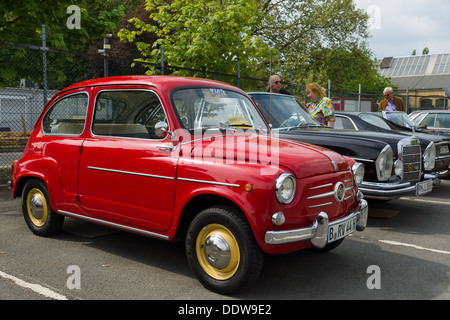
<point>443,149</point>
<point>424,187</point>
<point>341,230</point>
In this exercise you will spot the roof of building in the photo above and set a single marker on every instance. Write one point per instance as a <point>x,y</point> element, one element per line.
<point>431,71</point>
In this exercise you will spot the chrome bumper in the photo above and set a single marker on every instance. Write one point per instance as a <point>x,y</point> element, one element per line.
<point>389,191</point>
<point>318,232</point>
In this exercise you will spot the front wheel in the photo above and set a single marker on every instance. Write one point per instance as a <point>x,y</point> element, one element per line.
<point>37,211</point>
<point>222,251</point>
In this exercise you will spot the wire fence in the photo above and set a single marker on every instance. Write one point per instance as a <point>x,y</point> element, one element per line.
<point>27,86</point>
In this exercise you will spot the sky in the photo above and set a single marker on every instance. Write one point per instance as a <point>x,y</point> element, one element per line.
<point>400,26</point>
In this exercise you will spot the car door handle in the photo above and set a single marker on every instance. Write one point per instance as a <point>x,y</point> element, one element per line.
<point>168,147</point>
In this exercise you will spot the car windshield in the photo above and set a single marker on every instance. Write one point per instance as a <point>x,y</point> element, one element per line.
<point>282,111</point>
<point>399,118</point>
<point>216,108</point>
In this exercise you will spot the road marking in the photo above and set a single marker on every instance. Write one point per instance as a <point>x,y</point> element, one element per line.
<point>35,287</point>
<point>395,243</point>
<point>444,203</point>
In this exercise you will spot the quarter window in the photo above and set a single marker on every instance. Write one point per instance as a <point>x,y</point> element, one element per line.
<point>67,116</point>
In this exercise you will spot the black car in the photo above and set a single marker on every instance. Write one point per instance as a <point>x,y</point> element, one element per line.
<point>395,165</point>
<point>395,121</point>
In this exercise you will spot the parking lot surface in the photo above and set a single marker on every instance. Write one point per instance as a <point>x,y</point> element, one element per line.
<point>404,253</point>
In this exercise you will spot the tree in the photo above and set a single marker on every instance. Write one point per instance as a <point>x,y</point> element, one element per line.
<point>206,34</point>
<point>21,22</point>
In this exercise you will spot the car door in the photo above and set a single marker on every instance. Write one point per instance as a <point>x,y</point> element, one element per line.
<point>127,173</point>
<point>63,132</point>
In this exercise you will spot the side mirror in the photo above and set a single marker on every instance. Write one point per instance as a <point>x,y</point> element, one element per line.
<point>161,129</point>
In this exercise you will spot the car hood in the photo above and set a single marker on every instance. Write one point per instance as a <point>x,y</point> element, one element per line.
<point>302,159</point>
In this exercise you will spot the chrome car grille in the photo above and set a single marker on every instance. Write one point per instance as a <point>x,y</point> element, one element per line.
<point>327,194</point>
<point>409,152</point>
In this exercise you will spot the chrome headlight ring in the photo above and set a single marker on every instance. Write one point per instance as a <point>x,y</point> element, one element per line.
<point>285,188</point>
<point>384,163</point>
<point>429,157</point>
<point>358,172</point>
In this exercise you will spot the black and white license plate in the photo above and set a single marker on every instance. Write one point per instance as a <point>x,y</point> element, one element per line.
<point>424,187</point>
<point>341,230</point>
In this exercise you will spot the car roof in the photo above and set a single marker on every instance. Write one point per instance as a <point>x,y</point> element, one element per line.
<point>169,82</point>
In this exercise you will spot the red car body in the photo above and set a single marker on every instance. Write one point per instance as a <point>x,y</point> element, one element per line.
<point>157,185</point>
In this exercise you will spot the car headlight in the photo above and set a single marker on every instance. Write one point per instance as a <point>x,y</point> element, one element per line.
<point>429,157</point>
<point>398,168</point>
<point>358,172</point>
<point>384,163</point>
<point>285,188</point>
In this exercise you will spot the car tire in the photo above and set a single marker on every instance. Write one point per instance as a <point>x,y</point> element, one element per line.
<point>37,211</point>
<point>222,251</point>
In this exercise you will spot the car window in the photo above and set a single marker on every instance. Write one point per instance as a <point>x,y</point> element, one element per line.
<point>375,120</point>
<point>343,123</point>
<point>428,120</point>
<point>67,116</point>
<point>127,113</point>
<point>443,120</point>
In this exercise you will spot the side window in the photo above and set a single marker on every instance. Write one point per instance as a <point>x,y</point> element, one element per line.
<point>67,116</point>
<point>343,123</point>
<point>127,113</point>
<point>443,120</point>
<point>428,120</point>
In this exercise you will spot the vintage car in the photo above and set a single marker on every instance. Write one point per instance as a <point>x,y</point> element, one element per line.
<point>436,120</point>
<point>388,121</point>
<point>185,159</point>
<point>394,164</point>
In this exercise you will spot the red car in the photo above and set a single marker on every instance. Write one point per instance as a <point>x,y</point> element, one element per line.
<point>191,159</point>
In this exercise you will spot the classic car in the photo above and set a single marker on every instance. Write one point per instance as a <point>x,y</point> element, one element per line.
<point>395,165</point>
<point>436,120</point>
<point>388,121</point>
<point>185,159</point>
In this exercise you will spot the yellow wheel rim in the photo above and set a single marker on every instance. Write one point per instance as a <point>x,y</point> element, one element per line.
<point>37,207</point>
<point>217,251</point>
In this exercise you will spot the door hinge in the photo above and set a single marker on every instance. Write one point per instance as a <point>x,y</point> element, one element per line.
<point>80,148</point>
<point>77,198</point>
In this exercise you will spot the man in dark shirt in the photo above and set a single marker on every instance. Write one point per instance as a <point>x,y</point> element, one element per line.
<point>274,85</point>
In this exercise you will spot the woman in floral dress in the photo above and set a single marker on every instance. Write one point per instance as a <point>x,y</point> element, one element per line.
<point>321,108</point>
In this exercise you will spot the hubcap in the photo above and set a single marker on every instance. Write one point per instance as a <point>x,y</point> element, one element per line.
<point>217,251</point>
<point>37,207</point>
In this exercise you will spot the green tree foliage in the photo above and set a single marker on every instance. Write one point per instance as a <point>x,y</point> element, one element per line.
<point>312,40</point>
<point>21,22</point>
<point>206,34</point>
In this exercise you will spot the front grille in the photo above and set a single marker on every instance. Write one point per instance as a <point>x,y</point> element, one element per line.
<point>410,154</point>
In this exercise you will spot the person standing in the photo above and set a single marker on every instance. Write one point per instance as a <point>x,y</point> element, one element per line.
<point>321,108</point>
<point>274,85</point>
<point>391,102</point>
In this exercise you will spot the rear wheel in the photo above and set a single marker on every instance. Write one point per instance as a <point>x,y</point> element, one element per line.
<point>37,211</point>
<point>222,251</point>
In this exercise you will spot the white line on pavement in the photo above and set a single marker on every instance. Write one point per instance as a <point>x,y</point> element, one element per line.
<point>395,243</point>
<point>35,287</point>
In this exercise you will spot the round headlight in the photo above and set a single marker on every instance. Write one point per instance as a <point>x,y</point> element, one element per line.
<point>429,157</point>
<point>358,172</point>
<point>285,188</point>
<point>384,163</point>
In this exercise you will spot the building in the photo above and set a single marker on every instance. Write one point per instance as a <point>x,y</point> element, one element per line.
<point>421,80</point>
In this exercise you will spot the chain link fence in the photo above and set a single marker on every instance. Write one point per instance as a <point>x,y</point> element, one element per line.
<point>26,87</point>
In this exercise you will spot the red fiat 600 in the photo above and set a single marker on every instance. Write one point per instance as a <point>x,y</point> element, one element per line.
<point>191,159</point>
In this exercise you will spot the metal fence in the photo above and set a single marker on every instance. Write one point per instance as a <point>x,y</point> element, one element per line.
<point>26,87</point>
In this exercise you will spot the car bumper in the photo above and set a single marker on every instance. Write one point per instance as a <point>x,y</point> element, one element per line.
<point>389,191</point>
<point>318,232</point>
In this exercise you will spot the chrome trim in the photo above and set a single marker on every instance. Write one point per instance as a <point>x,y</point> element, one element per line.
<point>114,225</point>
<point>211,182</point>
<point>318,232</point>
<point>322,186</point>
<point>131,173</point>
